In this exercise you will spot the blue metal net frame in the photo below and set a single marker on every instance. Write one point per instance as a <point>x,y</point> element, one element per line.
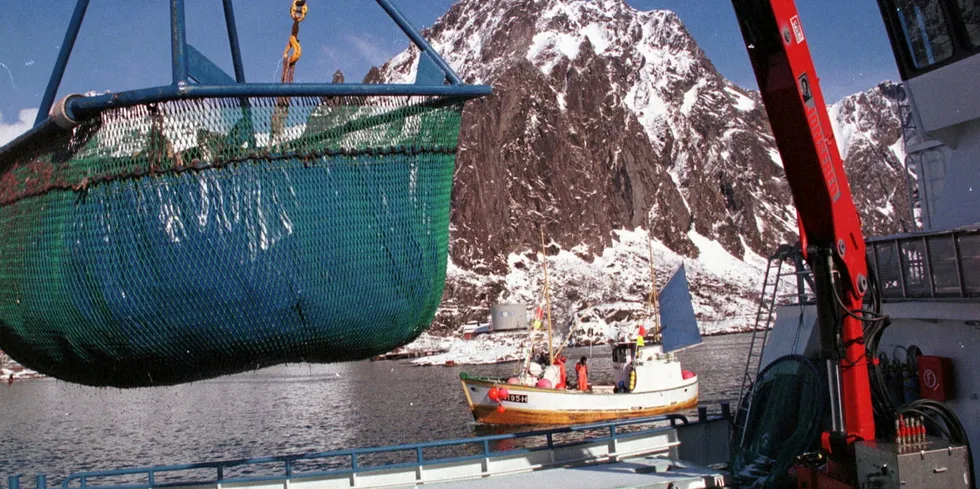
<point>435,77</point>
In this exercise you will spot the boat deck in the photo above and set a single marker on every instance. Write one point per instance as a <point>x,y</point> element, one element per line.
<point>640,472</point>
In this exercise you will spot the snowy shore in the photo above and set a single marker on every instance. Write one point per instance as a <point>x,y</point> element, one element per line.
<point>509,346</point>
<point>483,349</point>
<point>18,374</point>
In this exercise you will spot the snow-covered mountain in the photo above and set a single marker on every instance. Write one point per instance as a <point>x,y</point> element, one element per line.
<point>869,136</point>
<point>607,123</point>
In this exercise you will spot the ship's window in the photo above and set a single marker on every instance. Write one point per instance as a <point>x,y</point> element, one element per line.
<point>622,353</point>
<point>923,25</point>
<point>970,13</point>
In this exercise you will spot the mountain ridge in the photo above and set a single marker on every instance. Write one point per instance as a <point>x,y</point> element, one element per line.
<point>606,120</point>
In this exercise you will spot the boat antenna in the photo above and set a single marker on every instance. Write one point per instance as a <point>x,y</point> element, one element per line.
<point>654,299</point>
<point>547,297</point>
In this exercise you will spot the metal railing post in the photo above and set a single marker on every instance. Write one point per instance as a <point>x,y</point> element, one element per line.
<point>486,456</point>
<point>959,264</point>
<point>927,262</point>
<point>901,268</point>
<point>178,40</point>
<point>59,65</point>
<point>236,50</point>
<point>877,264</point>
<point>419,471</point>
<point>613,442</point>
<point>13,482</point>
<point>353,469</point>
<point>551,446</point>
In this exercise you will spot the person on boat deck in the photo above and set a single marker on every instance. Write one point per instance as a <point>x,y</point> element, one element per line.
<point>582,375</point>
<point>563,381</point>
<point>542,359</point>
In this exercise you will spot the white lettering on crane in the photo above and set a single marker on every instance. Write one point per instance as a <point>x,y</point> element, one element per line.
<point>797,29</point>
<point>819,138</point>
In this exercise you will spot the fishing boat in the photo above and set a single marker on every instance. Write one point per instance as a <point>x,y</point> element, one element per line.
<point>648,378</point>
<point>926,282</point>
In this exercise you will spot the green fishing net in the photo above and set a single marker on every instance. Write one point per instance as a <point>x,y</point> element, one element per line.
<point>183,240</point>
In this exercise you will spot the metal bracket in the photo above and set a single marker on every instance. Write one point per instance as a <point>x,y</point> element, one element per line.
<point>203,70</point>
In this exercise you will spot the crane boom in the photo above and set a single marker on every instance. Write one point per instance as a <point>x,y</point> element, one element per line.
<point>829,223</point>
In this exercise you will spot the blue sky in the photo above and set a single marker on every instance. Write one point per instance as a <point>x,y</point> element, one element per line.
<point>125,45</point>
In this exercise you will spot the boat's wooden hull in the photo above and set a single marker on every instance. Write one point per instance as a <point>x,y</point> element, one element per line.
<point>532,405</point>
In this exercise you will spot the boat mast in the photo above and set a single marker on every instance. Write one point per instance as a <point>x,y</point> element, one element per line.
<point>571,330</point>
<point>654,300</point>
<point>547,297</point>
<point>529,342</point>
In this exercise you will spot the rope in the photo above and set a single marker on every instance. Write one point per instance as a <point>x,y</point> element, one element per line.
<point>290,56</point>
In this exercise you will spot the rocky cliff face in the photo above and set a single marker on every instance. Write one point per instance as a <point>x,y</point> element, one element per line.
<point>606,124</point>
<point>869,135</point>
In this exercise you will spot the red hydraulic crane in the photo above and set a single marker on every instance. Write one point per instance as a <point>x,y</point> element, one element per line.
<point>829,224</point>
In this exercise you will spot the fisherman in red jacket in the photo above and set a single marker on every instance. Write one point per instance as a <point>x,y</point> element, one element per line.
<point>582,372</point>
<point>563,380</point>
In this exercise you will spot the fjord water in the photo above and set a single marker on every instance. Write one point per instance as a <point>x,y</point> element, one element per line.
<point>55,428</point>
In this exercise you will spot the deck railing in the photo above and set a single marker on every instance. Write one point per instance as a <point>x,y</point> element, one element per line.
<point>931,265</point>
<point>938,265</point>
<point>351,463</point>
